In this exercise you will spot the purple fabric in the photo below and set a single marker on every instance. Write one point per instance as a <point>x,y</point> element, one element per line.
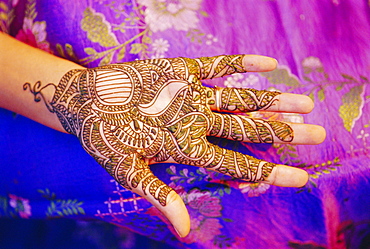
<point>323,51</point>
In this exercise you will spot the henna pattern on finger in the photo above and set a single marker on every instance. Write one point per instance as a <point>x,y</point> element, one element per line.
<point>217,66</point>
<point>244,99</point>
<point>241,128</point>
<point>126,114</point>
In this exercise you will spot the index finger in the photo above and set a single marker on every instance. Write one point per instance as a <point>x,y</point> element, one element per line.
<point>218,66</point>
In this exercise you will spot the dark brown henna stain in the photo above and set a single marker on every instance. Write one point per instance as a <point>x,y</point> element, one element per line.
<point>125,114</point>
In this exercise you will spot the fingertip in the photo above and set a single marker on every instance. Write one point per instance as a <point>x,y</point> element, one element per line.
<point>303,178</point>
<point>322,134</point>
<point>259,63</point>
<point>287,176</point>
<point>308,134</point>
<point>177,214</point>
<point>295,103</point>
<point>307,104</point>
<point>173,209</point>
<point>276,63</point>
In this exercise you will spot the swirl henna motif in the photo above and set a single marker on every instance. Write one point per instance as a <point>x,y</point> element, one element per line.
<point>127,114</point>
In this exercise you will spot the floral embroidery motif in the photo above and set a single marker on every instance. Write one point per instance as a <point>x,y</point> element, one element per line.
<point>352,101</point>
<point>6,15</point>
<point>253,189</point>
<point>33,32</point>
<point>241,80</point>
<point>160,47</point>
<point>180,15</point>
<point>210,39</point>
<point>351,109</point>
<point>148,16</point>
<point>20,205</point>
<point>363,136</point>
<point>184,175</point>
<point>205,212</point>
<point>311,64</point>
<point>59,207</point>
<point>317,81</point>
<point>98,29</point>
<point>204,209</point>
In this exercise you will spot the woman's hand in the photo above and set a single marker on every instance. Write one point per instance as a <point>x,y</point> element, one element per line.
<point>128,116</point>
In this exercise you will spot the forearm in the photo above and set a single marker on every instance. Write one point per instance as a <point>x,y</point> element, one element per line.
<point>19,64</point>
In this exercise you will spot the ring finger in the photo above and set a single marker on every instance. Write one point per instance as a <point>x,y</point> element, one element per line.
<point>244,129</point>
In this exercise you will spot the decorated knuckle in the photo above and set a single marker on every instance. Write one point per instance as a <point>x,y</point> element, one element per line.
<point>239,165</point>
<point>245,99</point>
<point>125,114</point>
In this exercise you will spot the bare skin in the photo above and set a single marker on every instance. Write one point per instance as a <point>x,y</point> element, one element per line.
<point>128,116</point>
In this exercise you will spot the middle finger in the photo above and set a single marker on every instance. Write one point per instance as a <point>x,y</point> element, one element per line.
<point>247,100</point>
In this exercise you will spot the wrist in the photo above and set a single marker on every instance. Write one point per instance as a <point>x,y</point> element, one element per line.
<point>21,64</point>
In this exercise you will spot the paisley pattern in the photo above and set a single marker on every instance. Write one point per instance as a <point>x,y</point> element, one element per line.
<point>125,114</point>
<point>325,61</point>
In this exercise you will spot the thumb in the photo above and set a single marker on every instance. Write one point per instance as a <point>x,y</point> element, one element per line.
<point>143,182</point>
<point>175,211</point>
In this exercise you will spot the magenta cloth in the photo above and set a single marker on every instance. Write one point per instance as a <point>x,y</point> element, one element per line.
<point>323,49</point>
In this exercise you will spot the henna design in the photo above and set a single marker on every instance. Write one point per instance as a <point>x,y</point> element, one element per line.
<point>244,99</point>
<point>125,114</point>
<point>36,90</point>
<point>217,66</point>
<point>241,128</point>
